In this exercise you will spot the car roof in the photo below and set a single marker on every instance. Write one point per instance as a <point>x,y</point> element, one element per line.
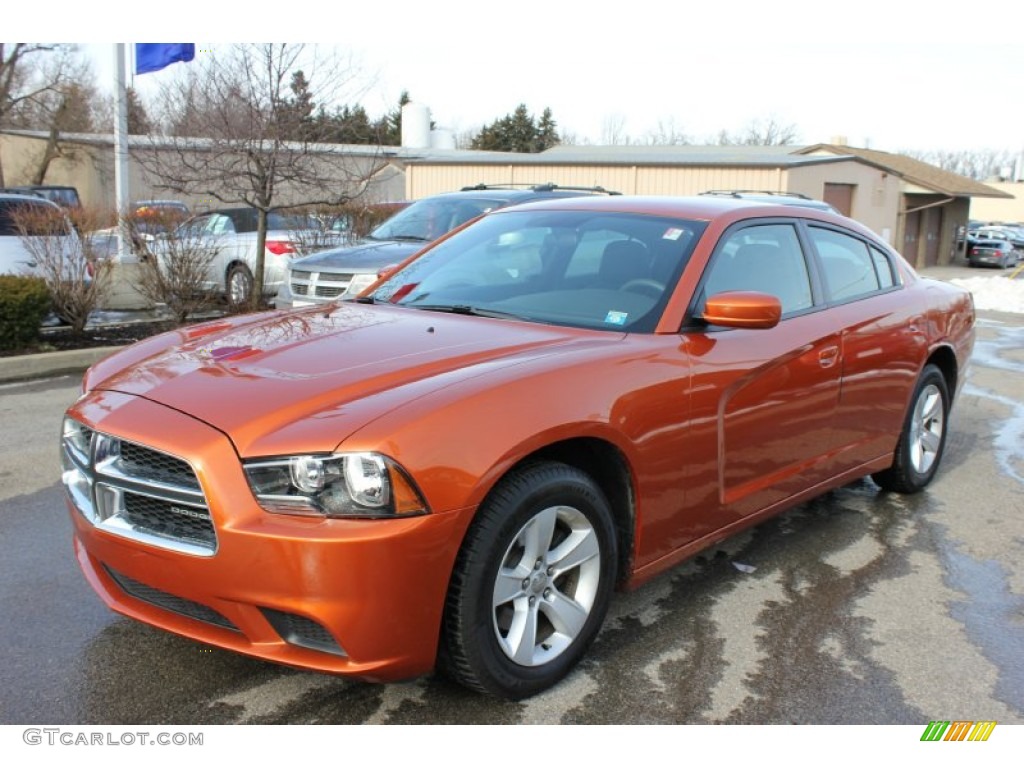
<point>770,196</point>
<point>700,207</point>
<point>27,198</point>
<point>517,193</point>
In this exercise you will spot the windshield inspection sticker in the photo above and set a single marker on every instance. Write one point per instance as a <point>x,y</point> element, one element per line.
<point>616,318</point>
<point>672,233</point>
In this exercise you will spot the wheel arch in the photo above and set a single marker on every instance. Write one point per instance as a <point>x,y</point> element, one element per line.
<point>944,359</point>
<point>236,261</point>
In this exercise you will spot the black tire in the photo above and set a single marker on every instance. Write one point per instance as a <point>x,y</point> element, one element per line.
<point>239,285</point>
<point>515,623</point>
<point>923,439</point>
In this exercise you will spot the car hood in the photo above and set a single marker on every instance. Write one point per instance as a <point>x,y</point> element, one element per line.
<point>366,255</point>
<point>304,381</point>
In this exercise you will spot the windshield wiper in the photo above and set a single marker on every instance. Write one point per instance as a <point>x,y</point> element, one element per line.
<point>409,238</point>
<point>466,309</point>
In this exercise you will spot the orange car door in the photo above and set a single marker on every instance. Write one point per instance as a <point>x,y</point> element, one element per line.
<point>763,400</point>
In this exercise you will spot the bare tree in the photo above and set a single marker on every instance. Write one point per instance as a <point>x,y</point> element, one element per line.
<point>237,132</point>
<point>769,132</point>
<point>979,164</point>
<point>174,263</point>
<point>78,280</point>
<point>27,81</point>
<point>667,133</point>
<point>613,130</point>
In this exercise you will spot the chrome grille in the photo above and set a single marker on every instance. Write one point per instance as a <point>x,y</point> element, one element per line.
<point>153,465</point>
<point>162,518</point>
<point>135,491</point>
<point>321,285</point>
<point>341,278</point>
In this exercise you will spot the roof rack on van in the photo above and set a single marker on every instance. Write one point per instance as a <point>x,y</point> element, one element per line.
<point>549,187</point>
<point>741,192</point>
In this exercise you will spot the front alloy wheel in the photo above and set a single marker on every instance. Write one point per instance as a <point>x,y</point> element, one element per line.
<point>546,586</point>
<point>532,582</point>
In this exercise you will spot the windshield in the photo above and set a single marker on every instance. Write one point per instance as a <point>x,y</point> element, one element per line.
<point>428,219</point>
<point>612,271</point>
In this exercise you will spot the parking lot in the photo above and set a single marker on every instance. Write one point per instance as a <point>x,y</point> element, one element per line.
<point>859,607</point>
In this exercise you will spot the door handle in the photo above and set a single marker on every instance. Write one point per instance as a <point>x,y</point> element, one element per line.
<point>828,356</point>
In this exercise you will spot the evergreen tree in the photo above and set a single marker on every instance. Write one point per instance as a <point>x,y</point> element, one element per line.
<point>138,118</point>
<point>518,132</point>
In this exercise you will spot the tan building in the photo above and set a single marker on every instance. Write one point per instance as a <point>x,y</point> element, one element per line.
<point>933,205</point>
<point>917,207</point>
<point>1005,210</point>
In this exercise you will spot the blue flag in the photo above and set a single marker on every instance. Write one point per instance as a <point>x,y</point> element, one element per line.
<point>152,57</point>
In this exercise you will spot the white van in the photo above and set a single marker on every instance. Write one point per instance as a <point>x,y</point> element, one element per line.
<point>15,258</point>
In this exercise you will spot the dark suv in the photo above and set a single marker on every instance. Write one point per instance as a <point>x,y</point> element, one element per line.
<point>346,271</point>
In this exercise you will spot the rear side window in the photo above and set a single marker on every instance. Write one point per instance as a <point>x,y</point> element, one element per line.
<point>883,268</point>
<point>848,266</point>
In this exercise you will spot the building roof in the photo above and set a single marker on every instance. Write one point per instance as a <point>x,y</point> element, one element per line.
<point>677,156</point>
<point>199,144</point>
<point>911,170</point>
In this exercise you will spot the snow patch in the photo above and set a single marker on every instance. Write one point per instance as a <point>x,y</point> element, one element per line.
<point>1001,294</point>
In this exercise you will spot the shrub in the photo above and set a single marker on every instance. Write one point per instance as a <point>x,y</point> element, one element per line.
<point>77,279</point>
<point>24,302</point>
<point>175,263</point>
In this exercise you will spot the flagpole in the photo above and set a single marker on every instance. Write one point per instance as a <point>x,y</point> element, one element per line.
<point>121,183</point>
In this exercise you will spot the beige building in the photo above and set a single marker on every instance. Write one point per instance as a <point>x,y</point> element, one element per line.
<point>914,206</point>
<point>1005,210</point>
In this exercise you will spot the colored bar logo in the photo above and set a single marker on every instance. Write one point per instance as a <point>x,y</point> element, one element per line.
<point>958,730</point>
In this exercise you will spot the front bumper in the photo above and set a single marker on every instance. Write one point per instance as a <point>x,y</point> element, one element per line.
<point>358,597</point>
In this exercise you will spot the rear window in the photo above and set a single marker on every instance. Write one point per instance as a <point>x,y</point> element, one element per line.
<point>245,220</point>
<point>8,225</point>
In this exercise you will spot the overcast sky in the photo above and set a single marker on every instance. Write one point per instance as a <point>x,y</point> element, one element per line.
<point>891,75</point>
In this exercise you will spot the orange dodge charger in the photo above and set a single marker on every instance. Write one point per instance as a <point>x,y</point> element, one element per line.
<point>460,466</point>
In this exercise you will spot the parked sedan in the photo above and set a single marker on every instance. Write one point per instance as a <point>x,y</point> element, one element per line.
<point>228,236</point>
<point>459,467</point>
<point>992,253</point>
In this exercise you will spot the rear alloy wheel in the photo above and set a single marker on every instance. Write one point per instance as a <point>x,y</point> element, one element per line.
<point>532,582</point>
<point>240,284</point>
<point>923,439</point>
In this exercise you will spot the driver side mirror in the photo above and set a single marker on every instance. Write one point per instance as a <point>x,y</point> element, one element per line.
<point>743,309</point>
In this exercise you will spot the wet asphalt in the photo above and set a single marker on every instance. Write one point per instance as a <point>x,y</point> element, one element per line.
<point>862,607</point>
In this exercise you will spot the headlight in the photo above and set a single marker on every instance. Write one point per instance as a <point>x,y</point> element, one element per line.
<point>334,485</point>
<point>359,283</point>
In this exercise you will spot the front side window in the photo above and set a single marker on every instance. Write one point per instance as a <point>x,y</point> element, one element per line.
<point>765,258</point>
<point>610,271</point>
